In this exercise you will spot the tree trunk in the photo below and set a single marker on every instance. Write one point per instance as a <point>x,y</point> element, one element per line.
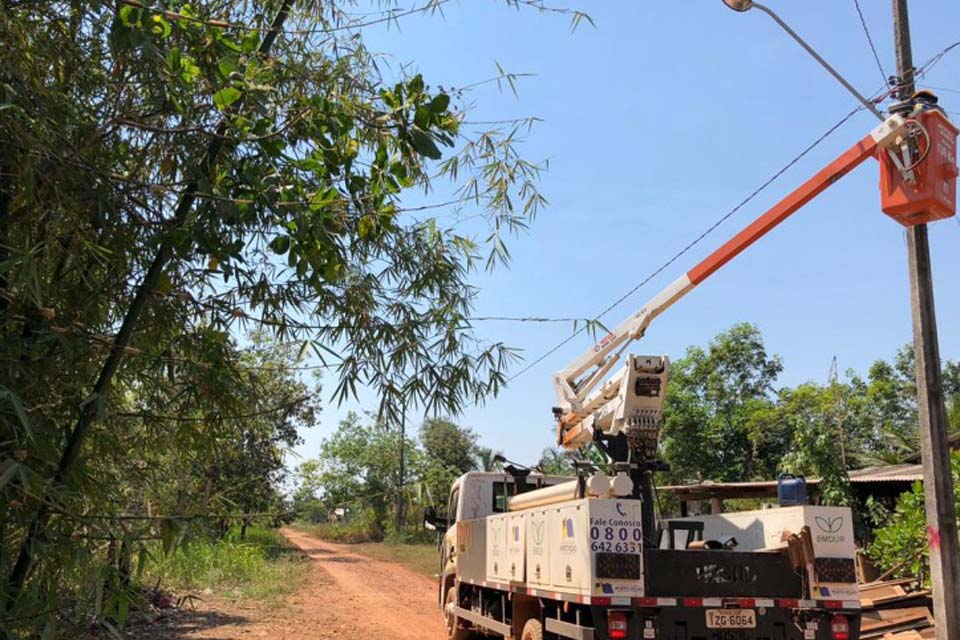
<point>91,407</point>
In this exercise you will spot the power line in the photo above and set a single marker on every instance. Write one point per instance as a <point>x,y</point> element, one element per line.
<point>881,95</point>
<point>866,32</point>
<point>693,243</point>
<point>934,60</point>
<point>947,89</point>
<point>524,319</point>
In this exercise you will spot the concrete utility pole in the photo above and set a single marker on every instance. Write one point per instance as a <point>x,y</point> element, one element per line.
<point>934,446</point>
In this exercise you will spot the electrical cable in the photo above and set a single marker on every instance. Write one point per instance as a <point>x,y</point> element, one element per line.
<point>523,319</point>
<point>926,149</point>
<point>922,70</point>
<point>947,89</point>
<point>866,32</point>
<point>695,241</point>
<point>934,60</point>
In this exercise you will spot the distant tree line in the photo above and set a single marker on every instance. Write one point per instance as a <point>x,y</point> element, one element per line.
<point>726,419</point>
<point>355,481</point>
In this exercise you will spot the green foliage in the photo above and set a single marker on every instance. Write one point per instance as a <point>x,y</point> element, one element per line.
<point>173,181</point>
<point>487,459</point>
<point>448,450</point>
<point>350,491</point>
<point>555,462</point>
<point>726,421</point>
<point>812,424</point>
<point>558,462</point>
<point>449,444</point>
<point>359,469</point>
<point>355,530</point>
<point>901,544</point>
<point>261,566</point>
<point>712,398</point>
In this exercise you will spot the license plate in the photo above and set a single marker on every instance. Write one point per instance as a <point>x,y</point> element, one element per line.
<point>731,619</point>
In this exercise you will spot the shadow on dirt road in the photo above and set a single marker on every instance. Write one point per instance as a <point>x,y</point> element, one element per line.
<point>346,596</point>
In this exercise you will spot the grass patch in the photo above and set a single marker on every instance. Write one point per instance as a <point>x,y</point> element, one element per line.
<point>421,558</point>
<point>261,567</point>
<point>350,533</point>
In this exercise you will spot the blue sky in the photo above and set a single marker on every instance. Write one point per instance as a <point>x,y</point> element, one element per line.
<point>655,124</point>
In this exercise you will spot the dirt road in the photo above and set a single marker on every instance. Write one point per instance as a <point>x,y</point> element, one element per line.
<point>354,597</point>
<point>346,596</point>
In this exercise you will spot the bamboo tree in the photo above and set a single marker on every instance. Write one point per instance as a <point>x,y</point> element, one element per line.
<point>168,187</point>
<point>92,407</point>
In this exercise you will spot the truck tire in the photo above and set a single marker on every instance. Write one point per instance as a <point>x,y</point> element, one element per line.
<point>455,629</point>
<point>532,630</point>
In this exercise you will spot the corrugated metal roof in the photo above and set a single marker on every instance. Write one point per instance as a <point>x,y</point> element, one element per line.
<point>953,440</point>
<point>761,484</point>
<point>892,473</point>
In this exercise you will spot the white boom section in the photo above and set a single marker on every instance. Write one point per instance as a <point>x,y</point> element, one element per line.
<point>603,354</point>
<point>613,407</point>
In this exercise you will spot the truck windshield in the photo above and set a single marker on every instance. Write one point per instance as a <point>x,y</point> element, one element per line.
<point>499,497</point>
<point>452,507</point>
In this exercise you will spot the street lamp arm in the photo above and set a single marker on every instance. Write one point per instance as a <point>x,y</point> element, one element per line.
<point>745,5</point>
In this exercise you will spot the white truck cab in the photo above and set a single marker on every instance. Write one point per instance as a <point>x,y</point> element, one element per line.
<point>476,495</point>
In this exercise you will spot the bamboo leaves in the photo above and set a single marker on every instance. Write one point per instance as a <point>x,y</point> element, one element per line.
<point>184,179</point>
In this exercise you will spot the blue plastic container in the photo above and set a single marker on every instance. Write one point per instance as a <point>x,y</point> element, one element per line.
<point>791,490</point>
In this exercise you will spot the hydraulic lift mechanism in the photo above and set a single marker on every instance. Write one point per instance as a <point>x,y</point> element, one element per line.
<point>623,413</point>
<point>525,555</point>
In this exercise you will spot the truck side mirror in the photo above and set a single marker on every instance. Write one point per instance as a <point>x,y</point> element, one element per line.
<point>433,522</point>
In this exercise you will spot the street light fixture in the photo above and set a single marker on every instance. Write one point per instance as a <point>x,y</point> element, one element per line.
<point>741,6</point>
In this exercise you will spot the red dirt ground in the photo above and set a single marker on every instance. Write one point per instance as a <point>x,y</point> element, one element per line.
<point>345,596</point>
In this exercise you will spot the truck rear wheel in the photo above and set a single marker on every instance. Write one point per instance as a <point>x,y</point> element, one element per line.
<point>532,630</point>
<point>455,629</point>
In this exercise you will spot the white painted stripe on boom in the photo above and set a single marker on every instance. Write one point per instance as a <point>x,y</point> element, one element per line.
<point>638,321</point>
<point>887,129</point>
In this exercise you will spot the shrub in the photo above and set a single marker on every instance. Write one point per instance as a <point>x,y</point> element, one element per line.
<point>262,566</point>
<point>902,543</point>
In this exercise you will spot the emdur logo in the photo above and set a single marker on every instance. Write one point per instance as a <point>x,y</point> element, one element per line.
<point>829,525</point>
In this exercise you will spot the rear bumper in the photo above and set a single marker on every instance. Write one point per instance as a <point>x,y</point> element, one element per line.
<point>688,623</point>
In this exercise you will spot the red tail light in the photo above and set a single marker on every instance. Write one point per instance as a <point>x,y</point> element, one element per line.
<point>840,628</point>
<point>617,625</point>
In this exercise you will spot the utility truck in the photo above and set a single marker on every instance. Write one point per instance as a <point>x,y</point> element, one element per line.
<point>529,556</point>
